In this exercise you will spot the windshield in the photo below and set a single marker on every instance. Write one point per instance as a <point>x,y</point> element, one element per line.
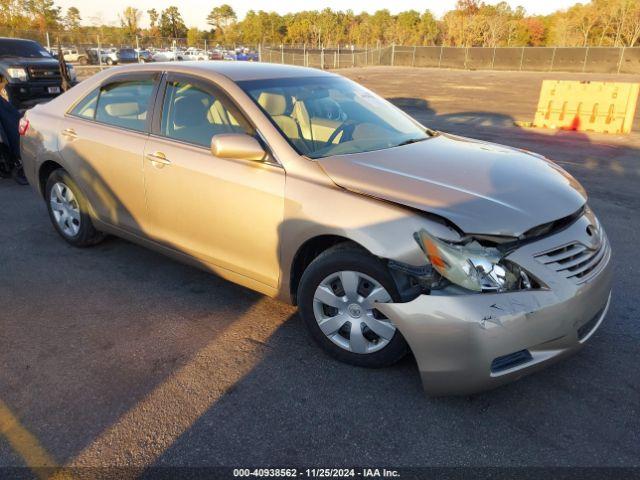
<point>22,48</point>
<point>323,116</point>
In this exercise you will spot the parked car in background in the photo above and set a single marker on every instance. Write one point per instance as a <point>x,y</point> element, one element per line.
<point>166,56</point>
<point>195,54</point>
<point>75,55</point>
<point>28,73</point>
<point>484,260</point>
<point>127,55</point>
<point>145,56</point>
<point>247,55</point>
<point>93,56</point>
<point>229,55</point>
<point>111,56</point>
<point>216,55</point>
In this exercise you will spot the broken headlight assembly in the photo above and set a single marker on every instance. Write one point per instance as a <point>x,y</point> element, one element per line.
<point>473,266</point>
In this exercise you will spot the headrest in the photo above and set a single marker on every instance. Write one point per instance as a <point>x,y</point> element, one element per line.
<point>124,109</point>
<point>273,103</point>
<point>189,111</point>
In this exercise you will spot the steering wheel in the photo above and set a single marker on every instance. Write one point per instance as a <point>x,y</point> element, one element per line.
<point>346,128</point>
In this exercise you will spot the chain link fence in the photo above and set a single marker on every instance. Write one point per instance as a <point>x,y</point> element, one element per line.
<point>538,59</point>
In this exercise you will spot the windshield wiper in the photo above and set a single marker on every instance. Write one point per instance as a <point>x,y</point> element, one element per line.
<point>411,140</point>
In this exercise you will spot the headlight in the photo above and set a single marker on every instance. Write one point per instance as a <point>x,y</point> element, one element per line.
<point>18,73</point>
<point>473,266</point>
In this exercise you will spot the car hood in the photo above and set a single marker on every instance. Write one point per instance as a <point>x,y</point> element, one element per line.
<point>483,188</point>
<point>30,62</point>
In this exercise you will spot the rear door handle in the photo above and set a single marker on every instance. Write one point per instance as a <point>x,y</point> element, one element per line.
<point>158,159</point>
<point>69,132</point>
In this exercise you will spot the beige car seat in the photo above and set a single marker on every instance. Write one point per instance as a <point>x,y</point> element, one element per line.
<point>275,104</point>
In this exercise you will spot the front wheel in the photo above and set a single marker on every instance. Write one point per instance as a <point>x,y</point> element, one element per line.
<point>68,210</point>
<point>337,299</point>
<point>109,61</point>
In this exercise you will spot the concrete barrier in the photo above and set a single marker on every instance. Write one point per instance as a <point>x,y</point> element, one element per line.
<point>605,107</point>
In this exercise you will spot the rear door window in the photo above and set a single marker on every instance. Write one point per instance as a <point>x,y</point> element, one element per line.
<point>125,103</point>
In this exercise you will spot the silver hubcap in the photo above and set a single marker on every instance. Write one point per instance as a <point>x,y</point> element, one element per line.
<point>65,208</point>
<point>344,307</point>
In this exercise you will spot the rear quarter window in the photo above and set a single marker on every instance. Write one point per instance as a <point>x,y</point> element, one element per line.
<point>86,108</point>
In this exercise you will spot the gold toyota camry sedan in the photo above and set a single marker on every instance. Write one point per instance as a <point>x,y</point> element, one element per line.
<point>484,261</point>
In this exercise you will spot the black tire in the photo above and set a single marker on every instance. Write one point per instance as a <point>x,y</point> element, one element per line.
<point>110,61</point>
<point>87,234</point>
<point>347,257</point>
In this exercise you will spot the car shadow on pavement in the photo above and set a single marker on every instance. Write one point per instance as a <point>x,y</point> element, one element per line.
<point>89,335</point>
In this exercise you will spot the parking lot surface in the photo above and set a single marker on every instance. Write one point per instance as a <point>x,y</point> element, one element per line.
<point>115,355</point>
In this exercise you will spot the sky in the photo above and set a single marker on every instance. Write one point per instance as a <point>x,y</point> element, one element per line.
<point>195,12</point>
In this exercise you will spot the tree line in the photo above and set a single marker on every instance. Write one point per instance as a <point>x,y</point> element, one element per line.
<point>470,23</point>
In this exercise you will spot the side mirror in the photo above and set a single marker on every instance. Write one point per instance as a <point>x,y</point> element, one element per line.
<point>237,146</point>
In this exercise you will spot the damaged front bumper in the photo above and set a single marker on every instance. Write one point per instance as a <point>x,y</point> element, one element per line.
<point>472,342</point>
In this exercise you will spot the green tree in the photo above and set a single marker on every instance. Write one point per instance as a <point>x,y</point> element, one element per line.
<point>220,18</point>
<point>171,23</point>
<point>72,19</point>
<point>194,37</point>
<point>44,14</point>
<point>154,16</point>
<point>13,14</point>
<point>130,20</point>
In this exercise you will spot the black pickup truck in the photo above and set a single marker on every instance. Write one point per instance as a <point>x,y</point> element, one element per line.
<point>28,73</point>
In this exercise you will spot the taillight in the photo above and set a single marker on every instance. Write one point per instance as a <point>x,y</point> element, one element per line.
<point>23,126</point>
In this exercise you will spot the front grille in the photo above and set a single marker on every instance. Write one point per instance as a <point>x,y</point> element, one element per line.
<point>575,261</point>
<point>44,73</point>
<point>514,359</point>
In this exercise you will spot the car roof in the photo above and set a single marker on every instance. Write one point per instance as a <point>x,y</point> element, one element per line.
<point>238,71</point>
<point>12,39</point>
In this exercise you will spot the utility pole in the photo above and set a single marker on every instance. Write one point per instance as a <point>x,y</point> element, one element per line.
<point>621,58</point>
<point>584,63</point>
<point>99,53</point>
<point>522,58</point>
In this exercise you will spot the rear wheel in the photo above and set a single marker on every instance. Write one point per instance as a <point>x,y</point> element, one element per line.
<point>68,210</point>
<point>337,300</point>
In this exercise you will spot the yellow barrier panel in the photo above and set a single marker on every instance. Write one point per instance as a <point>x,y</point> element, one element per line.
<point>605,107</point>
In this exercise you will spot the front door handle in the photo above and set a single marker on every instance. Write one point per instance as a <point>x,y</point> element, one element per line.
<point>158,159</point>
<point>69,132</point>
